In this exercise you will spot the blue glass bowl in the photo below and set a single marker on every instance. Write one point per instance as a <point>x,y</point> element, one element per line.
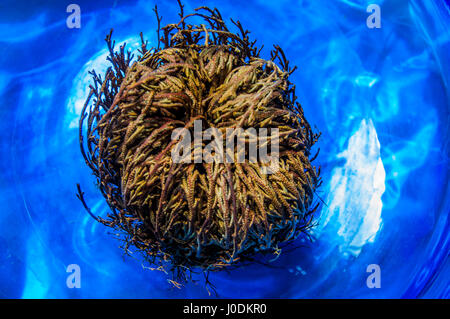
<point>380,96</point>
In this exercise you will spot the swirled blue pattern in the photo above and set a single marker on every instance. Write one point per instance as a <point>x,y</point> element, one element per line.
<point>380,97</point>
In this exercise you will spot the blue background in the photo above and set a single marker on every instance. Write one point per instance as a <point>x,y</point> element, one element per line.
<point>379,96</point>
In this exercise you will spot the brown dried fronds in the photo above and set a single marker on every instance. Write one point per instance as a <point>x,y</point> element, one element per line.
<point>203,216</point>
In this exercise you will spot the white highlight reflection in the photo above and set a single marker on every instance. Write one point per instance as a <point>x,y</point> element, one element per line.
<point>354,201</point>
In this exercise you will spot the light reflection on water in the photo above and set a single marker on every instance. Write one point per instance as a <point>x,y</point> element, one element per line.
<point>355,190</point>
<point>379,97</point>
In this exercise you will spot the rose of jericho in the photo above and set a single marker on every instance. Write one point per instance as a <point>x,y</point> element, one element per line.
<point>198,215</point>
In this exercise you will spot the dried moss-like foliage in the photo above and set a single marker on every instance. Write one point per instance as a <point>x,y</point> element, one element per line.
<point>198,215</point>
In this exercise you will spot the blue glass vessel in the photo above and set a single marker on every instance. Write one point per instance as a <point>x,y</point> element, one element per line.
<point>380,96</point>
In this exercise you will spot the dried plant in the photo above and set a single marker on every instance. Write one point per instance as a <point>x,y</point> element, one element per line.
<point>197,215</point>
